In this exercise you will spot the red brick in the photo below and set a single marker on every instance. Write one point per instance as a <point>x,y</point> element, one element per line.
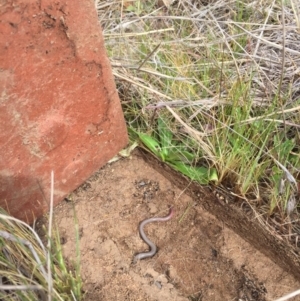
<point>59,108</point>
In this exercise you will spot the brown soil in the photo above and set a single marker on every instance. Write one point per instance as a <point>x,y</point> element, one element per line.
<point>198,257</point>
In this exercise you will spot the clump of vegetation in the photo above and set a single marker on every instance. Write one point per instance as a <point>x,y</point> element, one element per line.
<point>29,270</point>
<point>212,89</point>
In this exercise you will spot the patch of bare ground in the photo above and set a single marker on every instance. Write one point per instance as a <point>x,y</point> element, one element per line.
<point>198,257</point>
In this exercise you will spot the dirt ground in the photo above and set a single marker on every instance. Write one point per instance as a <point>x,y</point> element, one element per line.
<point>198,257</point>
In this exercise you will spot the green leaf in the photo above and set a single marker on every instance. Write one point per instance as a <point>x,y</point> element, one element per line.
<point>130,8</point>
<point>213,175</point>
<point>151,143</point>
<point>133,134</point>
<point>165,137</point>
<point>200,174</point>
<point>183,156</point>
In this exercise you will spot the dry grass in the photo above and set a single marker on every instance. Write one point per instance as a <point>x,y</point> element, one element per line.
<point>225,76</point>
<point>29,271</point>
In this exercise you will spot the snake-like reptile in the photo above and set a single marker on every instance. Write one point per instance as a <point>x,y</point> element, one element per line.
<point>153,248</point>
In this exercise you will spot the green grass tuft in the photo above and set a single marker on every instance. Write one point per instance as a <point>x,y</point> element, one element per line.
<point>23,261</point>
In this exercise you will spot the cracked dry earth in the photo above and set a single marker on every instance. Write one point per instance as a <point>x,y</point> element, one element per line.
<point>198,257</point>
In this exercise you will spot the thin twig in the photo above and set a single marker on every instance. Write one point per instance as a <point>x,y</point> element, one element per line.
<point>148,56</point>
<point>8,287</point>
<point>282,67</point>
<point>50,281</point>
<point>289,296</point>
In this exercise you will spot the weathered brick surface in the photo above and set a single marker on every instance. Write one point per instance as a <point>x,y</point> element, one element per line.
<point>59,108</point>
